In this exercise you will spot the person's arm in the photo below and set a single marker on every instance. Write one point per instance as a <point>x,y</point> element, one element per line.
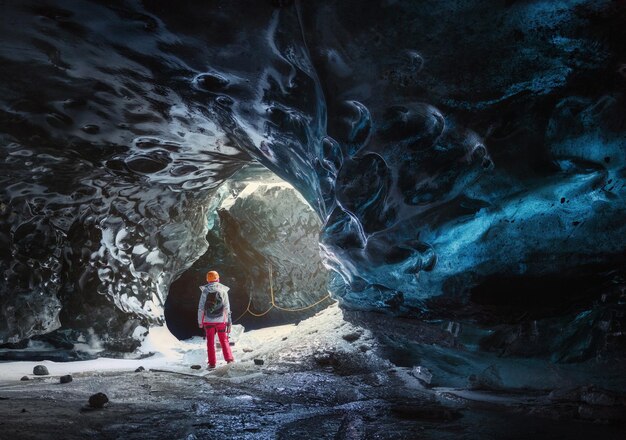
<point>201,306</point>
<point>227,308</point>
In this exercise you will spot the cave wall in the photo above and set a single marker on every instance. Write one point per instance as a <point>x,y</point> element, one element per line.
<point>118,122</point>
<point>485,135</point>
<point>441,145</point>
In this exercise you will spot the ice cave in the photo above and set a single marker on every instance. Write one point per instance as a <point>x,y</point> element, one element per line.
<point>410,216</point>
<point>265,237</point>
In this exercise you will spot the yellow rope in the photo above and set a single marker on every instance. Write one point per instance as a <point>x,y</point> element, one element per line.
<point>302,308</point>
<point>273,302</point>
<point>258,315</point>
<point>241,316</point>
<point>250,311</point>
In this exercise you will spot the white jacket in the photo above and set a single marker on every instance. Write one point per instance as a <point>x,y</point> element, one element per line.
<point>222,291</point>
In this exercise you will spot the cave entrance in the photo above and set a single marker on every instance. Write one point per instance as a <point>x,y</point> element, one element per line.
<point>263,241</point>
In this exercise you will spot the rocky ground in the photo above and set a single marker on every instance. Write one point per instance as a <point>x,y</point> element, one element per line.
<point>321,379</point>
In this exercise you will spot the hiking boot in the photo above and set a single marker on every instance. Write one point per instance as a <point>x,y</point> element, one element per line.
<point>210,367</point>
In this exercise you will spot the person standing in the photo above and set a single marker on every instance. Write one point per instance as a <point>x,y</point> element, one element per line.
<point>215,317</point>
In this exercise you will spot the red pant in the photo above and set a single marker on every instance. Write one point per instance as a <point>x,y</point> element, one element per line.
<point>210,330</point>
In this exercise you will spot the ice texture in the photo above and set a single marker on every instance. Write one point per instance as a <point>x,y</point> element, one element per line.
<point>443,147</point>
<point>117,123</point>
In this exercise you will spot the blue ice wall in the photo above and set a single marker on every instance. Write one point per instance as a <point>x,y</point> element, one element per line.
<point>443,144</point>
<point>476,138</point>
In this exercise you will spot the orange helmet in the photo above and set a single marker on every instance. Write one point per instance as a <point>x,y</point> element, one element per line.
<point>212,276</point>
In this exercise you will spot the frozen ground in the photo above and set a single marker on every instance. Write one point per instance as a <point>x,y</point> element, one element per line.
<point>322,379</point>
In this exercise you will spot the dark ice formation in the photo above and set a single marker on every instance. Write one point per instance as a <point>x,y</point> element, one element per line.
<point>454,152</point>
<point>118,122</point>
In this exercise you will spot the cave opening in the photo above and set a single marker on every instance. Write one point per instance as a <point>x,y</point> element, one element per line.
<point>263,241</point>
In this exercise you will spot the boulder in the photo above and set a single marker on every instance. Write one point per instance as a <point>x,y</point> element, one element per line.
<point>40,370</point>
<point>98,400</point>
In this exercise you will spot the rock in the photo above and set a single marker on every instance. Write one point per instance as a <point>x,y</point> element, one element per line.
<point>259,362</point>
<point>139,369</point>
<point>16,345</point>
<point>66,379</point>
<point>597,396</point>
<point>98,400</point>
<point>565,395</point>
<point>588,394</point>
<point>326,359</point>
<point>196,367</point>
<point>247,350</point>
<point>40,370</point>
<point>488,379</point>
<point>24,410</point>
<point>602,413</point>
<point>422,374</point>
<point>25,378</point>
<point>59,339</point>
<point>91,129</point>
<point>121,345</point>
<point>351,337</point>
<point>351,428</point>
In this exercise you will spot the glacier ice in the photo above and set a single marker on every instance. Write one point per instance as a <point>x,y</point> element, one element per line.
<point>442,148</point>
